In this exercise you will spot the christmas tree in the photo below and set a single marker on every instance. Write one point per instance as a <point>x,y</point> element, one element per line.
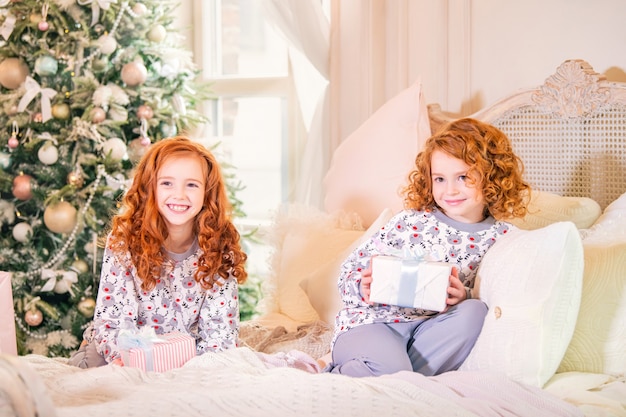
<point>85,87</point>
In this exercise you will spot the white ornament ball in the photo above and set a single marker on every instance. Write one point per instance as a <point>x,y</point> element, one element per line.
<point>114,148</point>
<point>107,44</point>
<point>46,65</point>
<point>48,154</point>
<point>22,232</point>
<point>140,9</point>
<point>60,217</point>
<point>5,160</point>
<point>157,34</point>
<point>134,73</point>
<point>13,72</point>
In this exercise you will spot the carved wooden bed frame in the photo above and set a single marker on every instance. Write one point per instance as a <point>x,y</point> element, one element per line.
<point>590,160</point>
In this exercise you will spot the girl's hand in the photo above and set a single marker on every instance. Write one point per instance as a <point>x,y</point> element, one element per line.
<point>456,290</point>
<point>366,283</point>
<point>118,362</point>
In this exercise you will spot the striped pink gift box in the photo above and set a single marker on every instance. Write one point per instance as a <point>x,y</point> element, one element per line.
<point>175,350</point>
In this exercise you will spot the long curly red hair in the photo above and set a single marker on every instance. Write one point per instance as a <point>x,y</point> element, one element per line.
<point>493,167</point>
<point>140,230</point>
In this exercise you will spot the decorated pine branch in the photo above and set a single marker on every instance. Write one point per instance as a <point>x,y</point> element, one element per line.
<point>85,87</point>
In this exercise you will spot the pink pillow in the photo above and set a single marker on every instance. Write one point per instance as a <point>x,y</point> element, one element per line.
<point>371,165</point>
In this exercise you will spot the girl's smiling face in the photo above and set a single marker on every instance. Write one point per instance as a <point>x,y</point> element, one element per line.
<point>180,190</point>
<point>454,193</point>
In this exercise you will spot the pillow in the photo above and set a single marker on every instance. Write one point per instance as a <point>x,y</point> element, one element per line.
<point>546,208</point>
<point>599,341</point>
<point>303,238</point>
<point>531,281</point>
<point>372,164</point>
<point>320,285</point>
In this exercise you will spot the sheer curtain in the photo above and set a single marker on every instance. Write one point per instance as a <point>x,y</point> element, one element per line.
<point>307,29</point>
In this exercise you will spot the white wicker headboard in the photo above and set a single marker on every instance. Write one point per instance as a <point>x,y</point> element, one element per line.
<point>570,132</point>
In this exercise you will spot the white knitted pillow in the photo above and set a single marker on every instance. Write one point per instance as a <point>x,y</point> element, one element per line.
<point>531,281</point>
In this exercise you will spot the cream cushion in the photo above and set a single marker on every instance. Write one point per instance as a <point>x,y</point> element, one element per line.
<point>371,165</point>
<point>531,280</point>
<point>599,341</point>
<point>546,208</point>
<point>303,238</point>
<point>320,285</point>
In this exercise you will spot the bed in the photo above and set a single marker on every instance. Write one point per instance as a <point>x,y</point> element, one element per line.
<point>553,343</point>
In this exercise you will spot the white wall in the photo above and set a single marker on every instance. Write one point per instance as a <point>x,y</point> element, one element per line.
<point>492,47</point>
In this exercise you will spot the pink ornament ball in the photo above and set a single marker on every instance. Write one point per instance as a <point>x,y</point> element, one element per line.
<point>145,112</point>
<point>22,188</point>
<point>33,317</point>
<point>134,74</point>
<point>13,142</point>
<point>97,115</point>
<point>43,26</point>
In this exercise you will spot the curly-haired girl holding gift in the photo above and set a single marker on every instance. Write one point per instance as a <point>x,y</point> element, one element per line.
<point>466,183</point>
<point>172,259</point>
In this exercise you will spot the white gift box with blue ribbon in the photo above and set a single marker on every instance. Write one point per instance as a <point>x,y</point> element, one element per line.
<point>410,282</point>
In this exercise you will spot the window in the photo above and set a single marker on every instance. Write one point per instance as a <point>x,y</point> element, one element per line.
<point>255,115</point>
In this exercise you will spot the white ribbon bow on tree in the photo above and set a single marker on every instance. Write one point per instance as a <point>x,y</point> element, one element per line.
<point>32,89</point>
<point>8,25</point>
<point>96,5</point>
<point>59,285</point>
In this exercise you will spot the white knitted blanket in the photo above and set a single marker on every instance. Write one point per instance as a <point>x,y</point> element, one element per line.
<point>242,382</point>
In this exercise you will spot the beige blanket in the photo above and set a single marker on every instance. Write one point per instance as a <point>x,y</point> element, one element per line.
<point>243,382</point>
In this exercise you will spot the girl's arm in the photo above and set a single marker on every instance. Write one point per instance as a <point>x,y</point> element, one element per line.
<point>218,326</point>
<point>116,305</point>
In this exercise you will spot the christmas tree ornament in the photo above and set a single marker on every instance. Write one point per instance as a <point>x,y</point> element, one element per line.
<point>86,307</point>
<point>145,112</point>
<point>5,160</point>
<point>48,154</point>
<point>61,111</point>
<point>114,148</point>
<point>136,149</point>
<point>46,65</point>
<point>80,266</point>
<point>22,187</point>
<point>13,72</point>
<point>43,24</point>
<point>22,232</point>
<point>134,73</point>
<point>13,141</point>
<point>60,217</point>
<point>107,44</point>
<point>97,115</point>
<point>139,9</point>
<point>168,130</point>
<point>33,317</point>
<point>157,34</point>
<point>75,178</point>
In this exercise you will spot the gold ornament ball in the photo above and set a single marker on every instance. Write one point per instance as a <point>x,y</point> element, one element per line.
<point>76,179</point>
<point>61,111</point>
<point>60,217</point>
<point>80,266</point>
<point>13,72</point>
<point>87,306</point>
<point>33,317</point>
<point>22,188</point>
<point>134,73</point>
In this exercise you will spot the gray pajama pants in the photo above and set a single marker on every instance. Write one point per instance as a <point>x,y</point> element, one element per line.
<point>430,346</point>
